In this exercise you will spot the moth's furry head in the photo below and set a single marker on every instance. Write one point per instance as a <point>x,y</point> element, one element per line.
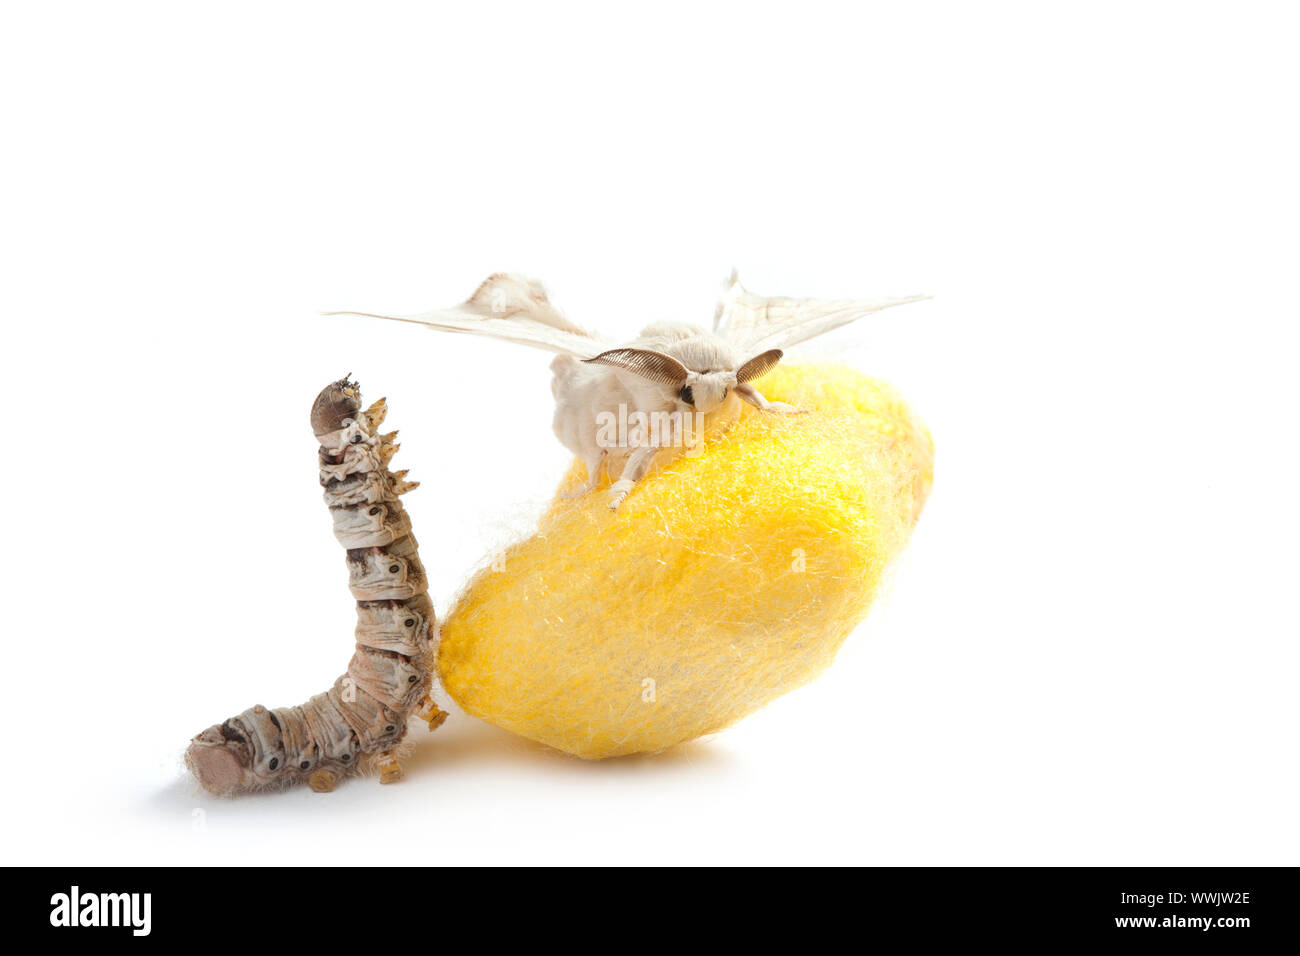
<point>700,368</point>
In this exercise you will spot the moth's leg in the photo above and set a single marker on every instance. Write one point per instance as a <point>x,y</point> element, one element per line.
<point>752,395</point>
<point>638,463</point>
<point>390,771</point>
<point>594,463</point>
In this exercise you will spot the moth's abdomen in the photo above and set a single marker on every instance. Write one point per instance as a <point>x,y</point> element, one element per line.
<point>363,717</point>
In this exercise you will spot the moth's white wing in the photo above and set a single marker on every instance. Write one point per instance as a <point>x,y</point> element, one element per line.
<point>756,323</point>
<point>512,308</point>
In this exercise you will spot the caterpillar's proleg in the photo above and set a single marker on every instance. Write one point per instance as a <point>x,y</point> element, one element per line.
<point>363,717</point>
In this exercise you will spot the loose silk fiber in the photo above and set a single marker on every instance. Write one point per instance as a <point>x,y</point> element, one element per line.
<point>726,578</point>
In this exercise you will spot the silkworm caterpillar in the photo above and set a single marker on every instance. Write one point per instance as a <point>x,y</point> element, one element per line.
<point>360,720</point>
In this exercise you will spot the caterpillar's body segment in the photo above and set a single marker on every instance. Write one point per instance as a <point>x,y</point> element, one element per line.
<point>363,717</point>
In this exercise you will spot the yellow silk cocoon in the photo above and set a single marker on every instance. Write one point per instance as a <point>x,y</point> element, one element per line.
<point>723,581</point>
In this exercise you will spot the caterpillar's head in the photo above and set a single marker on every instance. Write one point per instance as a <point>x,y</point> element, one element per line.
<point>337,401</point>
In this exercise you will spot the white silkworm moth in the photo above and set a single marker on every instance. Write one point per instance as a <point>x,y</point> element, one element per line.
<point>674,382</point>
<point>363,717</point>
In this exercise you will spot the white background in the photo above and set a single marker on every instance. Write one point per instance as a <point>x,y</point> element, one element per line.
<point>1088,655</point>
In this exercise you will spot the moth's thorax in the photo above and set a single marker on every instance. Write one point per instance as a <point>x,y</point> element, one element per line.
<point>697,349</point>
